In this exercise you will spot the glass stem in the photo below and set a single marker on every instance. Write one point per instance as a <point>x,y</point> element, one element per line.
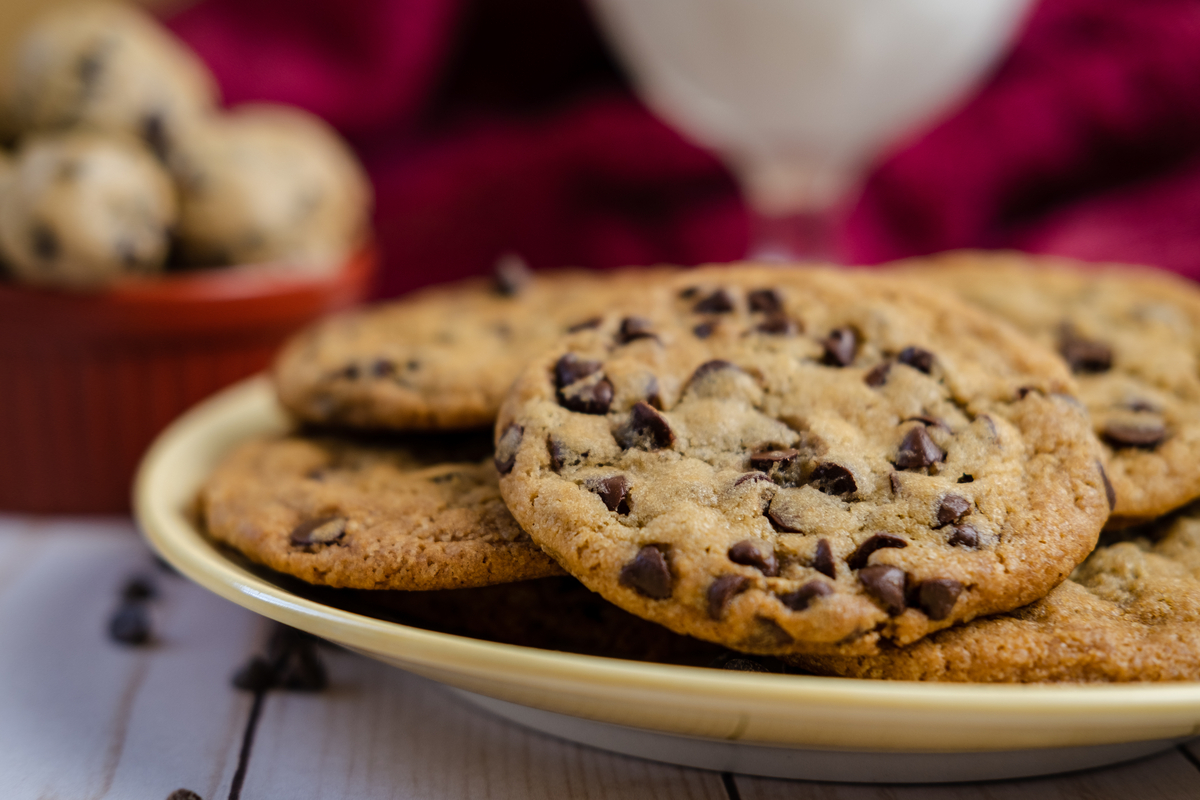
<point>805,236</point>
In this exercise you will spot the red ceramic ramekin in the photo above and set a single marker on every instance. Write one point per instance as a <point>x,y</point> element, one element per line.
<point>87,381</point>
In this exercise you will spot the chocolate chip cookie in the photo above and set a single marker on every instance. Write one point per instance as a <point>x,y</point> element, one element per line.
<point>443,357</point>
<point>803,461</point>
<point>414,513</point>
<point>1132,338</point>
<point>1131,612</point>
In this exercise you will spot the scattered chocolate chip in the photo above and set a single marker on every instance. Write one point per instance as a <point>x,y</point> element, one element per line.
<point>1146,435</point>
<point>765,300</point>
<point>841,346</point>
<point>777,325</point>
<point>184,794</point>
<point>1084,355</point>
<point>719,302</point>
<point>256,675</point>
<point>952,509</point>
<point>44,242</point>
<point>800,599</point>
<point>646,429</point>
<point>349,372</point>
<point>506,448</point>
<point>130,624</point>
<point>648,574</point>
<point>704,330</point>
<point>858,559</point>
<point>766,459</point>
<point>1109,492</point>
<point>586,325</point>
<point>633,328</point>
<point>917,358</point>
<point>878,375</point>
<point>966,477</point>
<point>964,536</point>
<point>556,453</point>
<point>512,274</point>
<point>571,368</point>
<point>722,590</point>
<point>833,479</point>
<point>593,399</point>
<point>937,597</point>
<point>689,292</point>
<point>752,477</point>
<point>823,559</point>
<point>323,530</point>
<point>782,519</point>
<point>613,492</point>
<point>894,480</point>
<point>383,368</point>
<point>755,554</point>
<point>885,584</point>
<point>139,587</point>
<point>918,450</point>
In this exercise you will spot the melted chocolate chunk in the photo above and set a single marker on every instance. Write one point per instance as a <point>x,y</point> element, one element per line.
<point>722,590</point>
<point>938,596</point>
<point>918,450</point>
<point>885,584</point>
<point>858,559</point>
<point>719,302</point>
<point>130,624</point>
<point>765,300</point>
<point>964,536</point>
<point>704,330</point>
<point>648,574</point>
<point>894,480</point>
<point>841,346</point>
<point>1084,355</point>
<point>586,325</point>
<point>966,477</point>
<point>766,459</point>
<point>751,477</point>
<point>802,597</point>
<point>878,375</point>
<point>322,530</point>
<point>777,325</point>
<point>612,491</point>
<point>782,520</point>
<point>44,242</point>
<point>755,554</point>
<point>952,510</point>
<point>571,368</point>
<point>556,452</point>
<point>506,448</point>
<point>512,275</point>
<point>594,399</point>
<point>633,328</point>
<point>646,429</point>
<point>1146,435</point>
<point>833,479</point>
<point>917,358</point>
<point>1109,492</point>
<point>256,675</point>
<point>823,559</point>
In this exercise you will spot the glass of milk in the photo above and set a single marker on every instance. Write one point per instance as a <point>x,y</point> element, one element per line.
<point>798,96</point>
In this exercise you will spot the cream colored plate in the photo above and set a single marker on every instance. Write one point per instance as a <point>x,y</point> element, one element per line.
<point>780,725</point>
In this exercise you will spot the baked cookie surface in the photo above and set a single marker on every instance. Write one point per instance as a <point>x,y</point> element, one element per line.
<point>803,461</point>
<point>442,357</point>
<point>417,513</point>
<point>1132,338</point>
<point>1131,612</point>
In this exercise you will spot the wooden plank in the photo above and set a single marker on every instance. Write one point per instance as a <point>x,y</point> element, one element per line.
<point>378,732</point>
<point>1169,776</point>
<point>83,717</point>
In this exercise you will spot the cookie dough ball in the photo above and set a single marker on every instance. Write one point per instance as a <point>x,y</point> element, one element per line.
<point>110,67</point>
<point>269,183</point>
<point>82,209</point>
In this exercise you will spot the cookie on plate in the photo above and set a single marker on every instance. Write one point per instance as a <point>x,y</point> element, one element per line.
<point>443,357</point>
<point>804,461</point>
<point>1131,612</point>
<point>1132,338</point>
<point>415,513</point>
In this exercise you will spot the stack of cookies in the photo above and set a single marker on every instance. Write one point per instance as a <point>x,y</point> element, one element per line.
<point>902,473</point>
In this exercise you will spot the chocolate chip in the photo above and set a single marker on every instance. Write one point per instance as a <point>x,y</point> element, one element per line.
<point>613,492</point>
<point>802,597</point>
<point>722,590</point>
<point>964,536</point>
<point>184,794</point>
<point>719,302</point>
<point>256,675</point>
<point>44,242</point>
<point>858,559</point>
<point>752,477</point>
<point>349,372</point>
<point>154,134</point>
<point>593,399</point>
<point>323,530</point>
<point>704,330</point>
<point>383,368</point>
<point>1145,435</point>
<point>653,395</point>
<point>782,519</point>
<point>918,450</point>
<point>878,375</point>
<point>833,479</point>
<point>689,292</point>
<point>754,554</point>
<point>894,480</point>
<point>130,624</point>
<point>1084,355</point>
<point>633,328</point>
<point>841,346</point>
<point>556,453</point>
<point>506,448</point>
<point>1109,492</point>
<point>766,459</point>
<point>917,358</point>
<point>1025,391</point>
<point>586,325</point>
<point>885,584</point>
<point>938,596</point>
<point>646,429</point>
<point>823,559</point>
<point>512,274</point>
<point>139,587</point>
<point>1143,405</point>
<point>571,368</point>
<point>952,510</point>
<point>648,574</point>
<point>765,300</point>
<point>966,477</point>
<point>777,325</point>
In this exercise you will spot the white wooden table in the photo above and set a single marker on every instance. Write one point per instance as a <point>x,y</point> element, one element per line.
<point>84,718</point>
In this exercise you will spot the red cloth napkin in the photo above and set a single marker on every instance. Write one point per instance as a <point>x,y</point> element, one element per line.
<point>495,126</point>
